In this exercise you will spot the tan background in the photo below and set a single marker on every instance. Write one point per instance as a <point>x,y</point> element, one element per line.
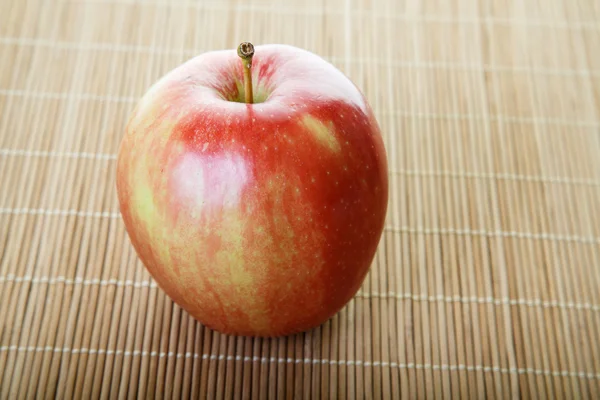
<point>487,279</point>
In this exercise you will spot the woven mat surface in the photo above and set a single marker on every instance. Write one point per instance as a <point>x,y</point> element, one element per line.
<point>486,282</point>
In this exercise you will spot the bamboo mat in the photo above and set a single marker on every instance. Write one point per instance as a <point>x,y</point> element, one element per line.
<point>487,278</point>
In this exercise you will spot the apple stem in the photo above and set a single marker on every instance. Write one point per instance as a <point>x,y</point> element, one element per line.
<point>246,50</point>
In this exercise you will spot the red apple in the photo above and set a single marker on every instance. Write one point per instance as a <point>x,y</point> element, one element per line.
<point>258,219</point>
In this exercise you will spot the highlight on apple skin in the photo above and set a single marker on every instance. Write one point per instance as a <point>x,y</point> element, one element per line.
<point>258,218</point>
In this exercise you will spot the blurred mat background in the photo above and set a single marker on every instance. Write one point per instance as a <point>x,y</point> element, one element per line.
<point>487,278</point>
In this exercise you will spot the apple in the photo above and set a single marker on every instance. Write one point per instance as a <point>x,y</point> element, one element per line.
<point>254,190</point>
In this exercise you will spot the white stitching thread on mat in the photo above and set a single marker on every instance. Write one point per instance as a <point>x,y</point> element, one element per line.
<point>62,213</point>
<point>401,229</point>
<point>66,95</point>
<point>483,300</point>
<point>501,234</point>
<point>76,281</point>
<point>407,172</point>
<point>497,176</point>
<point>114,47</point>
<point>422,115</point>
<point>360,294</point>
<point>57,154</point>
<point>493,117</point>
<point>577,24</point>
<point>222,357</point>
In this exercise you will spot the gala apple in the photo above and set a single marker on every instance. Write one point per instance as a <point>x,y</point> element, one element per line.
<point>258,211</point>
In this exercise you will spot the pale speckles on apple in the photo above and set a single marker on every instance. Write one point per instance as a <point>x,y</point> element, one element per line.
<point>270,184</point>
<point>204,147</point>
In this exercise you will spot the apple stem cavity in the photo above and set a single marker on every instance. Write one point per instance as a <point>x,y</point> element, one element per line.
<point>246,50</point>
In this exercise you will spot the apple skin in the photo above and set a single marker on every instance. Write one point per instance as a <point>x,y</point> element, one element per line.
<point>258,219</point>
